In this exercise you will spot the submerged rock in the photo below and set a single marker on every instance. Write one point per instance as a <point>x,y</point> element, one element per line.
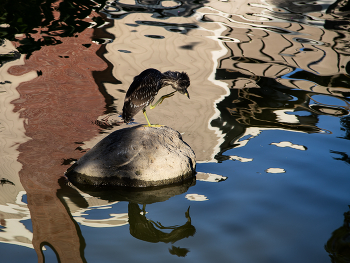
<point>137,157</point>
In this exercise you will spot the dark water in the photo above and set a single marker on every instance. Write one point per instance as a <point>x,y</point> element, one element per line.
<point>268,120</point>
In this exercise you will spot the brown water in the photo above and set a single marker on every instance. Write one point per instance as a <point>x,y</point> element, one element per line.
<point>268,121</point>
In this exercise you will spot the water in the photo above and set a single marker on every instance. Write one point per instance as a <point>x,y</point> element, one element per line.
<point>268,120</point>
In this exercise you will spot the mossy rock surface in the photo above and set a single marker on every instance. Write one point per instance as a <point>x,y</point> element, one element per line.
<point>136,157</point>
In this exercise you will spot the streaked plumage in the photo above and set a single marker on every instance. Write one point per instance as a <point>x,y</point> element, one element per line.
<point>145,87</point>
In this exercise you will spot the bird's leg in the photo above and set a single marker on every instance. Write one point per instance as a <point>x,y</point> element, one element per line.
<point>144,113</point>
<point>161,99</point>
<point>149,124</point>
<point>154,105</point>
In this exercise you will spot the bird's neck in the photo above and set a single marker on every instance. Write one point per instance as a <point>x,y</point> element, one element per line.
<point>168,81</point>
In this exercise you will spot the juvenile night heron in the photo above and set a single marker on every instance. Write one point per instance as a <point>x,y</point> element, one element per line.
<point>145,87</point>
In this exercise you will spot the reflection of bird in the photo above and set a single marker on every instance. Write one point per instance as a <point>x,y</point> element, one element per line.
<point>146,86</point>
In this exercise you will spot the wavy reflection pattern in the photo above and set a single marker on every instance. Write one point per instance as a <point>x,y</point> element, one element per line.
<point>281,57</point>
<point>253,67</point>
<point>48,102</point>
<point>280,47</point>
<point>168,36</point>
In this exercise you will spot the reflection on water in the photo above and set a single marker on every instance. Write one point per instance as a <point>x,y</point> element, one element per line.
<point>338,245</point>
<point>80,204</point>
<point>267,73</point>
<point>150,231</point>
<point>33,26</point>
<point>272,106</point>
<point>158,9</point>
<point>42,122</point>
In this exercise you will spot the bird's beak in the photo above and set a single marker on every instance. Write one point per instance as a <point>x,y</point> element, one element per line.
<point>188,95</point>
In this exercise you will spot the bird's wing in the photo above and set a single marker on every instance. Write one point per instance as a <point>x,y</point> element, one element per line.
<point>141,92</point>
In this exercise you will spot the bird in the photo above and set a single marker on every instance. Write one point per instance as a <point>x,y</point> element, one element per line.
<point>146,86</point>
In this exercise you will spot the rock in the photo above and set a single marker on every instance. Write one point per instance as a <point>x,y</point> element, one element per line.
<point>137,157</point>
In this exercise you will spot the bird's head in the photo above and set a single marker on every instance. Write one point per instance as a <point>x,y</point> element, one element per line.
<point>178,80</point>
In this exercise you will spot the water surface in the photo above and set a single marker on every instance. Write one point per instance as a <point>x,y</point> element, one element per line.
<point>268,120</point>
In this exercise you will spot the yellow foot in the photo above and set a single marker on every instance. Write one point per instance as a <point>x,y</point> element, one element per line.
<point>153,125</point>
